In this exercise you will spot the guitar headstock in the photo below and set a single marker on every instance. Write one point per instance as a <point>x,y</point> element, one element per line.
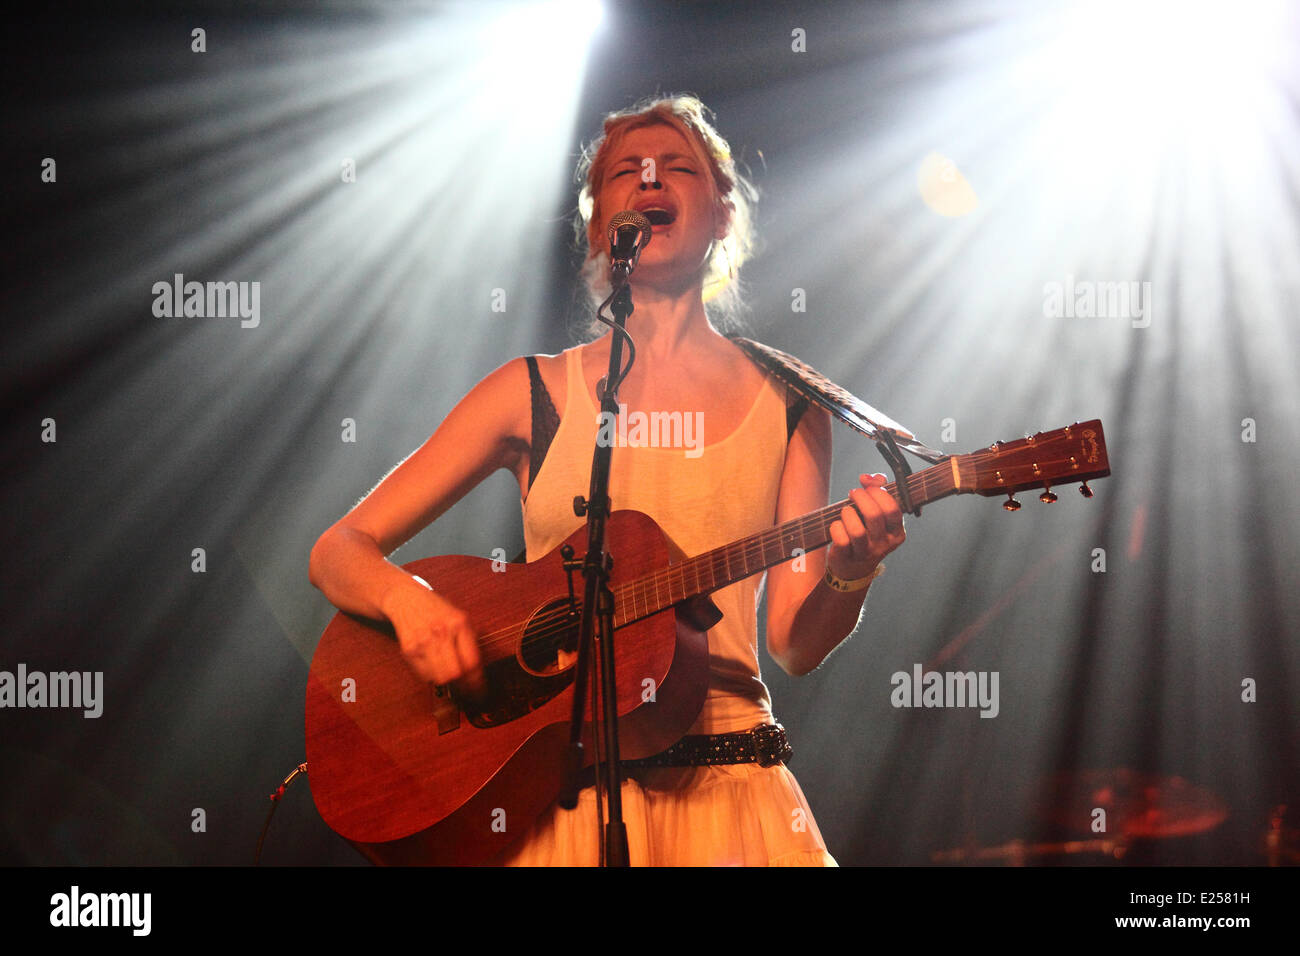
<point>1076,453</point>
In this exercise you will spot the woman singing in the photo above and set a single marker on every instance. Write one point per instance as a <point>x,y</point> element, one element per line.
<point>763,458</point>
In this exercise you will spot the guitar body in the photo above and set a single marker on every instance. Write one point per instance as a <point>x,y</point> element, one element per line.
<point>411,774</point>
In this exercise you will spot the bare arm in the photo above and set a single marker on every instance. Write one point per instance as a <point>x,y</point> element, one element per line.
<point>486,430</point>
<point>806,620</point>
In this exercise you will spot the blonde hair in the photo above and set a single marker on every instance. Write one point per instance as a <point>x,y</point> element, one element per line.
<point>734,195</point>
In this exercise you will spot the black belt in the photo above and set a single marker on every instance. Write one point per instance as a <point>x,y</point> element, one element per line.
<point>766,746</point>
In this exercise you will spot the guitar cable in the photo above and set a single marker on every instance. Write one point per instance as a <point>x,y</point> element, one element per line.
<point>275,802</point>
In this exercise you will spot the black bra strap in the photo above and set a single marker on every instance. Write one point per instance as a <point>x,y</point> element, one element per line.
<point>793,412</point>
<point>546,421</point>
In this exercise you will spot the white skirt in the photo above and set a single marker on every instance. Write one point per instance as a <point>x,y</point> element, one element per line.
<point>726,815</point>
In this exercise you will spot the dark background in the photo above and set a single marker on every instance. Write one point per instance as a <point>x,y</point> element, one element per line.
<point>175,434</point>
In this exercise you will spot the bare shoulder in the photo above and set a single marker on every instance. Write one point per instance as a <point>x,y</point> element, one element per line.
<point>500,401</point>
<point>805,478</point>
<point>554,372</point>
<point>814,429</point>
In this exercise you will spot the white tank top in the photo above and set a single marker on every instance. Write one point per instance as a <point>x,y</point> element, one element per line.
<point>727,492</point>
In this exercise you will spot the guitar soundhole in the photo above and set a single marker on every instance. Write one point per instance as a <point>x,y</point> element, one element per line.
<point>549,645</point>
<point>541,668</point>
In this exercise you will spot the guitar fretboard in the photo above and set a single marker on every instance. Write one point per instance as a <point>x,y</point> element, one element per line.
<point>738,560</point>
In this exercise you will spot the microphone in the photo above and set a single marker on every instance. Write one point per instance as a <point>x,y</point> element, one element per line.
<point>629,232</point>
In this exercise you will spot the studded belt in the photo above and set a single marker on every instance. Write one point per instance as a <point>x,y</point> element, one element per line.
<point>766,746</point>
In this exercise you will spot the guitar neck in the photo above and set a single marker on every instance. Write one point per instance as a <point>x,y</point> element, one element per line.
<point>712,570</point>
<point>1076,453</point>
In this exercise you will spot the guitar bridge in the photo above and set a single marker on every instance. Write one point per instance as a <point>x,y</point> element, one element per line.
<point>446,713</point>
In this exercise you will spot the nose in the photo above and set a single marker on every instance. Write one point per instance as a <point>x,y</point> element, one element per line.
<point>656,184</point>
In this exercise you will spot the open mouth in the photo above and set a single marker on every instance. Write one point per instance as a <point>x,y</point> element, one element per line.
<point>660,210</point>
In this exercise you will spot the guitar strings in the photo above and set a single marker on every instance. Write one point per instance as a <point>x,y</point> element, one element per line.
<point>648,589</point>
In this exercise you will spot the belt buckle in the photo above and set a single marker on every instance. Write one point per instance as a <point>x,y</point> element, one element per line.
<point>768,745</point>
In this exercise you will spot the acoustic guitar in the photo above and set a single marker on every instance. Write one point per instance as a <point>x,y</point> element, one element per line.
<point>413,773</point>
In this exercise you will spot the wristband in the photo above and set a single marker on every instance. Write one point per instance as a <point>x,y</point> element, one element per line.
<point>860,584</point>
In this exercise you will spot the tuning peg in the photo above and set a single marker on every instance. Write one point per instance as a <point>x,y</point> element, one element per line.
<point>1011,504</point>
<point>1047,497</point>
<point>1085,490</point>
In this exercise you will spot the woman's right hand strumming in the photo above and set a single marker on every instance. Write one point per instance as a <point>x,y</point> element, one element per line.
<point>435,636</point>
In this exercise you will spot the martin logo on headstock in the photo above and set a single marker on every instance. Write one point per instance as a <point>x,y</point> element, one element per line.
<point>1076,453</point>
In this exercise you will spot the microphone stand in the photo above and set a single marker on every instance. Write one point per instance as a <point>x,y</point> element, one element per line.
<point>598,599</point>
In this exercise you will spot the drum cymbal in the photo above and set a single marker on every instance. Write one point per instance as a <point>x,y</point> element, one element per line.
<point>1137,805</point>
<point>1020,853</point>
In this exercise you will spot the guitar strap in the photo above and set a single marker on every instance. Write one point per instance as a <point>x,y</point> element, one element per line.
<point>840,402</point>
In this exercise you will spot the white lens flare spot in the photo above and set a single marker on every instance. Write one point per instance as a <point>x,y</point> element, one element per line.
<point>944,188</point>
